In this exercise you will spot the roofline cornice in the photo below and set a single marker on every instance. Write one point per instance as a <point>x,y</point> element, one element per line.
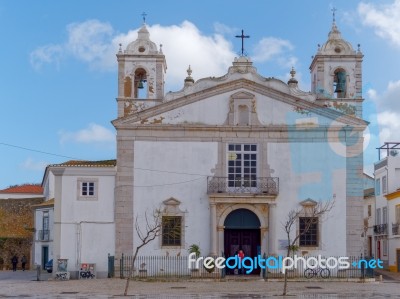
<point>235,85</point>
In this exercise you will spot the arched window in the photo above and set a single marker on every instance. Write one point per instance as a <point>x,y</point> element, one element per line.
<point>339,83</point>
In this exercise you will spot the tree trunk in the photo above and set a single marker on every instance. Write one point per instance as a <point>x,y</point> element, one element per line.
<point>286,273</point>
<point>130,272</point>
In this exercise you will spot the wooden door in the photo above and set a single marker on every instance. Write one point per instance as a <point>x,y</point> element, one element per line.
<point>246,239</point>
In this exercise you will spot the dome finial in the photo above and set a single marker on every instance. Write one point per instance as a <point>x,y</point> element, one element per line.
<point>189,80</point>
<point>292,81</point>
<point>189,71</point>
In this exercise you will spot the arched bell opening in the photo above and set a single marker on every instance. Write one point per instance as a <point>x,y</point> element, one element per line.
<point>339,83</point>
<point>140,84</point>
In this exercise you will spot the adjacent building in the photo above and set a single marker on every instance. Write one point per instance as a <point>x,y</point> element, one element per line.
<point>387,210</point>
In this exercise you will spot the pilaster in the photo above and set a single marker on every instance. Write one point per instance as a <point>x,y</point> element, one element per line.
<point>124,198</point>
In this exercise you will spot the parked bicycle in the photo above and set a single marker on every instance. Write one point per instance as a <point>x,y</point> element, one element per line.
<point>323,272</point>
<point>61,276</point>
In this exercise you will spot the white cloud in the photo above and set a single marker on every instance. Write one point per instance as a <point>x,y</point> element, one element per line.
<point>388,111</point>
<point>90,41</point>
<point>372,94</point>
<point>185,45</point>
<point>48,54</point>
<point>224,29</point>
<point>93,133</point>
<point>383,18</point>
<point>271,47</point>
<point>31,164</point>
<point>96,44</point>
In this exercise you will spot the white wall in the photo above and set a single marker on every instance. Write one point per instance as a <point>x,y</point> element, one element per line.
<point>174,163</point>
<point>87,230</point>
<point>308,170</point>
<point>301,175</point>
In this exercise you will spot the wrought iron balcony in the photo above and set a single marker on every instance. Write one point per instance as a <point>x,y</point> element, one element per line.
<point>238,185</point>
<point>43,235</point>
<point>380,229</point>
<point>395,228</point>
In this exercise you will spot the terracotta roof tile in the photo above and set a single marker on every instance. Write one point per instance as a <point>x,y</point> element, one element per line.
<point>50,202</point>
<point>83,163</point>
<point>27,188</point>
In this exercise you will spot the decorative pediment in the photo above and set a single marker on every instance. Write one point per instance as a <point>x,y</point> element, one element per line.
<point>308,203</point>
<point>242,95</point>
<point>171,202</point>
<point>172,206</point>
<point>236,95</point>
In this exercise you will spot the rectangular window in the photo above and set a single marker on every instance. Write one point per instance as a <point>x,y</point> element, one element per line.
<point>45,233</point>
<point>242,165</point>
<point>385,247</point>
<point>378,216</point>
<point>384,215</point>
<point>384,185</point>
<point>308,229</point>
<point>171,230</point>
<point>397,214</point>
<point>378,187</point>
<point>87,188</point>
<point>369,210</point>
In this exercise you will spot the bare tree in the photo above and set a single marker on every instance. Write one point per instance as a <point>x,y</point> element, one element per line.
<point>153,229</point>
<point>312,215</point>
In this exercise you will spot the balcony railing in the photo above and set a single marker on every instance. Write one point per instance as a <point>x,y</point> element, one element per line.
<point>395,228</point>
<point>380,229</point>
<point>267,186</point>
<point>43,235</point>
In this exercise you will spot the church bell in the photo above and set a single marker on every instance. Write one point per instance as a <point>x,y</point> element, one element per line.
<point>140,85</point>
<point>340,82</point>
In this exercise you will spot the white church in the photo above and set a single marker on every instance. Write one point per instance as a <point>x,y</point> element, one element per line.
<point>224,158</point>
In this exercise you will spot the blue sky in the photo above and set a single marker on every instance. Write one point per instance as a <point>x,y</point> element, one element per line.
<point>58,79</point>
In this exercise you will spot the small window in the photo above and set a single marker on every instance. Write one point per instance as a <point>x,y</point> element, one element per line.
<point>308,231</point>
<point>171,231</point>
<point>385,247</point>
<point>378,187</point>
<point>397,214</point>
<point>384,185</point>
<point>87,189</point>
<point>369,210</point>
<point>384,215</point>
<point>378,216</point>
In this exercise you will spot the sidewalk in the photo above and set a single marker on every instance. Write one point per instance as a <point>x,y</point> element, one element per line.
<point>387,275</point>
<point>113,288</point>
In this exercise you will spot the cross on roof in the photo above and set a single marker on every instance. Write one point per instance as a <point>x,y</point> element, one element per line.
<point>333,13</point>
<point>242,37</point>
<point>144,17</point>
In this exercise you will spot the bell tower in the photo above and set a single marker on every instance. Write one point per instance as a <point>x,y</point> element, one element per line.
<point>141,69</point>
<point>336,74</point>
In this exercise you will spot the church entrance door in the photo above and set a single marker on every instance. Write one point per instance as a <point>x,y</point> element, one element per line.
<point>242,231</point>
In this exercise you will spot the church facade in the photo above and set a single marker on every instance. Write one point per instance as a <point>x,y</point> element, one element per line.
<point>226,158</point>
